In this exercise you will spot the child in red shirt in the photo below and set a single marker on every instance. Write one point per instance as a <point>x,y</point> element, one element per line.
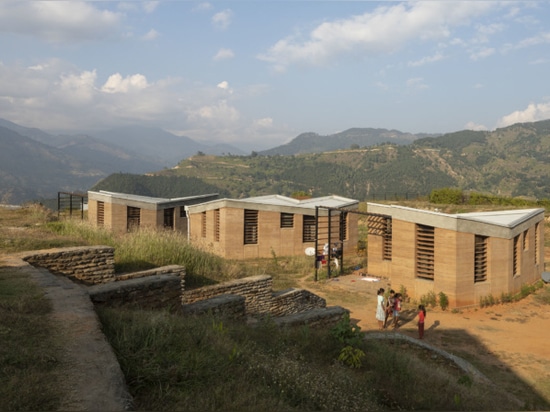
<point>421,317</point>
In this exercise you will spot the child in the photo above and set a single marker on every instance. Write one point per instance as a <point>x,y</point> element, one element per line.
<point>389,307</point>
<point>396,309</point>
<point>380,311</point>
<point>421,317</point>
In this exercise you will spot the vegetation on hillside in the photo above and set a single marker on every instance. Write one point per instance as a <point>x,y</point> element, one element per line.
<point>509,162</point>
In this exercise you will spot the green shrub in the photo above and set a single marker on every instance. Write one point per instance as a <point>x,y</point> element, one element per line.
<point>429,299</point>
<point>447,196</point>
<point>443,301</point>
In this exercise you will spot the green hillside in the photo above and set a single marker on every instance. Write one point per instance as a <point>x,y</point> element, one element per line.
<point>512,161</point>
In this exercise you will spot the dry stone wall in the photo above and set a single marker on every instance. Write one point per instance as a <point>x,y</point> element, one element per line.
<point>89,265</point>
<point>257,291</point>
<point>165,287</point>
<point>295,301</point>
<point>151,292</point>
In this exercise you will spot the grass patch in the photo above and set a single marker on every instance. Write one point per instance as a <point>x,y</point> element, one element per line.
<point>28,348</point>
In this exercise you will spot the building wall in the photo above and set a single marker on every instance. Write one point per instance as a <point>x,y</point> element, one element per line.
<point>454,254</point>
<point>271,237</point>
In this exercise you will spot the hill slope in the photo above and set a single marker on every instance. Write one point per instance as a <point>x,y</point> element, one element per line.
<point>512,161</point>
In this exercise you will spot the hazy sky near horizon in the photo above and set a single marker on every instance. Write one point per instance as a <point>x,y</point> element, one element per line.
<point>263,72</point>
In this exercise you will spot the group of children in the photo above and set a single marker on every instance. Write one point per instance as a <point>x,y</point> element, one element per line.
<point>392,307</point>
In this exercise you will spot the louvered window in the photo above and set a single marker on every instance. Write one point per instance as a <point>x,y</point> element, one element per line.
<point>516,257</point>
<point>203,224</point>
<point>287,220</point>
<point>133,218</point>
<point>344,226</point>
<point>425,252</point>
<point>480,259</point>
<point>308,231</point>
<point>526,240</point>
<point>537,245</point>
<point>217,225</point>
<point>380,225</point>
<point>100,213</point>
<point>250,227</point>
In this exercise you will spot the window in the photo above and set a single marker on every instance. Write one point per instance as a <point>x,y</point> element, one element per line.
<point>380,225</point>
<point>526,240</point>
<point>217,225</point>
<point>308,230</point>
<point>100,213</point>
<point>203,224</point>
<point>132,218</point>
<point>425,252</point>
<point>537,246</point>
<point>250,227</point>
<point>182,211</point>
<point>343,226</point>
<point>480,259</point>
<point>287,220</point>
<point>169,218</point>
<point>516,257</point>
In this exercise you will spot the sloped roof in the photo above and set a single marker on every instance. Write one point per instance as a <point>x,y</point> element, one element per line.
<point>278,203</point>
<point>502,223</point>
<point>147,201</point>
<point>507,218</point>
<point>325,201</point>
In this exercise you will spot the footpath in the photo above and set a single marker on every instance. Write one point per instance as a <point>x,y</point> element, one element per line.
<point>91,376</point>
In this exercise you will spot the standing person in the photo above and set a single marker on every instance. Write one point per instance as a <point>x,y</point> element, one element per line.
<point>389,306</point>
<point>380,309</point>
<point>396,309</point>
<point>421,317</point>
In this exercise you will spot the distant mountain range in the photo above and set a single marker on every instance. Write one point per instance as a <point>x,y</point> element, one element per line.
<point>35,165</point>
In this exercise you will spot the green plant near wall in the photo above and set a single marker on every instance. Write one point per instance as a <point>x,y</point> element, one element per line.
<point>443,300</point>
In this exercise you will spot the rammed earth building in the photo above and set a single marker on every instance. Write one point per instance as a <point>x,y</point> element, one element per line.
<point>467,256</point>
<point>273,225</point>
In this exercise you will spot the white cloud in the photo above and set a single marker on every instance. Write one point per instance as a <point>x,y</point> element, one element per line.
<point>533,113</point>
<point>426,60</point>
<point>266,122</point>
<point>203,6</point>
<point>541,38</point>
<point>150,6</point>
<point>218,114</point>
<point>224,54</point>
<point>117,84</point>
<point>58,22</point>
<point>475,126</point>
<point>482,53</point>
<point>151,35</point>
<point>222,20</point>
<point>384,31</point>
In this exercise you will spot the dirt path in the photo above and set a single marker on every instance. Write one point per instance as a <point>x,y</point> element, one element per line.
<point>89,372</point>
<point>509,343</point>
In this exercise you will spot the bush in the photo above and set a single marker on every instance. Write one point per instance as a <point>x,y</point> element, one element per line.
<point>443,301</point>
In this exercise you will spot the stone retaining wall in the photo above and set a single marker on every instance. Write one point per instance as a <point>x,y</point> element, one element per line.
<point>151,292</point>
<point>230,306</point>
<point>316,318</point>
<point>165,287</point>
<point>89,265</point>
<point>257,291</point>
<point>295,301</point>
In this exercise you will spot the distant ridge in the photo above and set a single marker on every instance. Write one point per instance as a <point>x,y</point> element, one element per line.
<point>354,137</point>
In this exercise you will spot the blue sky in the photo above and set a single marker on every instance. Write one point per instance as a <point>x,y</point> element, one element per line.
<point>261,72</point>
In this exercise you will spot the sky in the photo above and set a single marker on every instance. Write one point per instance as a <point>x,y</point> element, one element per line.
<point>262,72</point>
